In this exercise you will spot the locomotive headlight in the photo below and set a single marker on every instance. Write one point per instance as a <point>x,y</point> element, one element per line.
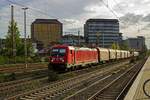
<point>52,59</point>
<point>61,59</point>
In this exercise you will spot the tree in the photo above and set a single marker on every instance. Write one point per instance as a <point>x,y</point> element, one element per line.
<point>124,46</point>
<point>17,39</point>
<point>115,46</point>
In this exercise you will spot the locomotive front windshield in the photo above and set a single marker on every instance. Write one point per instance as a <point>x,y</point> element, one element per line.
<point>58,52</point>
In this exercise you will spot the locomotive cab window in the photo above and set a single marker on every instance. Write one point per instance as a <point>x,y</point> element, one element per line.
<point>58,52</point>
<point>62,52</point>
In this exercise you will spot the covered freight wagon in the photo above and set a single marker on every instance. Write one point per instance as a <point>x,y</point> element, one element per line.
<point>112,54</point>
<point>103,54</point>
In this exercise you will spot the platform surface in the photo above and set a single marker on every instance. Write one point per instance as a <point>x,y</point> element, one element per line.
<point>136,90</point>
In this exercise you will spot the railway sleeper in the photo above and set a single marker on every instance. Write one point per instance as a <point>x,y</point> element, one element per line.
<point>57,92</point>
<point>104,97</point>
<point>33,95</point>
<point>23,98</point>
<point>47,98</point>
<point>30,97</point>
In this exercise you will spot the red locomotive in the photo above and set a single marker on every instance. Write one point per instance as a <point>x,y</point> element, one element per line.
<point>65,57</point>
<point>69,57</point>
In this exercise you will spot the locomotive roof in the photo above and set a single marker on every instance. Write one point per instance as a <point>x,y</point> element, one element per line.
<point>72,47</point>
<point>84,48</point>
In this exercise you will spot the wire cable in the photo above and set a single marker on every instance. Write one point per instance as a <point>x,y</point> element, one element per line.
<point>34,9</point>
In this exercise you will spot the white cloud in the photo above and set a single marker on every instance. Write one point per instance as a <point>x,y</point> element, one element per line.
<point>74,13</point>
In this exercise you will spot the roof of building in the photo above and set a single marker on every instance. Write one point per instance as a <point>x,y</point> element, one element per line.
<point>102,20</point>
<point>48,21</point>
<point>136,38</point>
<point>72,36</point>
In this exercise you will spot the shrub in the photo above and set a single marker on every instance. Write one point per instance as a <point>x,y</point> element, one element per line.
<point>19,59</point>
<point>2,60</point>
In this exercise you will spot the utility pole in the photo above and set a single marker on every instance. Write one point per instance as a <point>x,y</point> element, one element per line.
<point>79,38</point>
<point>13,34</point>
<point>25,42</point>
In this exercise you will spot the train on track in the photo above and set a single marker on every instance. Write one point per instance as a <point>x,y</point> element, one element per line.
<point>63,57</point>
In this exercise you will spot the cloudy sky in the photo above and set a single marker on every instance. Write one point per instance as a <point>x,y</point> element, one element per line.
<point>134,15</point>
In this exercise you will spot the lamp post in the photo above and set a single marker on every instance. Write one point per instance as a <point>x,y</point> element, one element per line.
<point>25,42</point>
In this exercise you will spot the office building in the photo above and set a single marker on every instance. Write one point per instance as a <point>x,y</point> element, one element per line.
<point>103,32</point>
<point>137,44</point>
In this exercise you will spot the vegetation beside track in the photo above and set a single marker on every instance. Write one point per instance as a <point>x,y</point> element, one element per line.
<point>6,77</point>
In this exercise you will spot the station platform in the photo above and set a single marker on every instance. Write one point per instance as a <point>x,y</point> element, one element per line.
<point>136,90</point>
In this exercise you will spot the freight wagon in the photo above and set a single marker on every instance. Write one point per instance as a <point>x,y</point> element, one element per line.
<point>103,55</point>
<point>65,57</point>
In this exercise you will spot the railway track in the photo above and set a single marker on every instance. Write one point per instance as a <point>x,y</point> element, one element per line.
<point>117,89</point>
<point>18,86</point>
<point>12,88</point>
<point>110,87</point>
<point>18,68</point>
<point>53,90</point>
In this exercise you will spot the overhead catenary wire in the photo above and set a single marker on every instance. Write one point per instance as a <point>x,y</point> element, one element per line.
<point>32,8</point>
<point>129,19</point>
<point>37,10</point>
<point>106,5</point>
<point>112,11</point>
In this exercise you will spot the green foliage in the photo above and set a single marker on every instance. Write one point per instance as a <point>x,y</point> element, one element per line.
<point>7,77</point>
<point>2,60</point>
<point>124,46</point>
<point>115,46</point>
<point>19,43</point>
<point>6,53</point>
<point>148,52</point>
<point>18,59</point>
<point>9,38</point>
<point>36,58</point>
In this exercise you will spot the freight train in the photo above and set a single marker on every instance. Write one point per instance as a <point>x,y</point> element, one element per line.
<point>63,57</point>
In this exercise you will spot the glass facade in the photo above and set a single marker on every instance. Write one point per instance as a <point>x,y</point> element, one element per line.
<point>102,31</point>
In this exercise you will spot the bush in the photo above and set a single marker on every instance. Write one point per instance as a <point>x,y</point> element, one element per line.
<point>30,60</point>
<point>2,60</point>
<point>36,59</point>
<point>7,77</point>
<point>46,59</point>
<point>19,59</point>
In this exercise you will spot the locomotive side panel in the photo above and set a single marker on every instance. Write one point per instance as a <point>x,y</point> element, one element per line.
<point>86,56</point>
